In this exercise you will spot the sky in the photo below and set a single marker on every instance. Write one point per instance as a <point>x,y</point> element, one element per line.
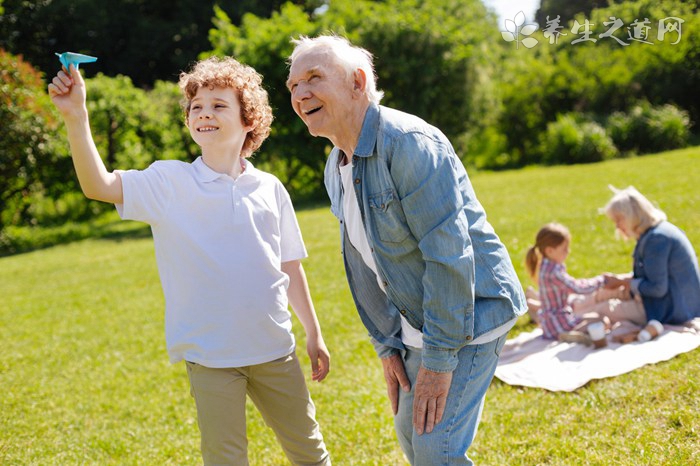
<point>507,9</point>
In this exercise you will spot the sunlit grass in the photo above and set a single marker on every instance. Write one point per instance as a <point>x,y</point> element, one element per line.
<point>85,378</point>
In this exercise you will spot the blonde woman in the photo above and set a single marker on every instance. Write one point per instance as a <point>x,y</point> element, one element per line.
<point>665,282</point>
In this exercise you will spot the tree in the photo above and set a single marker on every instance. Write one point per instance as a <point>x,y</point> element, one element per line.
<point>146,40</point>
<point>601,77</point>
<point>264,43</point>
<point>566,9</point>
<point>33,161</point>
<point>434,59</point>
<point>431,60</point>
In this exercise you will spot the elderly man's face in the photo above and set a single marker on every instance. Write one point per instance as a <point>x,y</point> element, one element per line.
<point>321,93</point>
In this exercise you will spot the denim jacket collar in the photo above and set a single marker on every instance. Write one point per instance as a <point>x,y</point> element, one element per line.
<point>368,135</point>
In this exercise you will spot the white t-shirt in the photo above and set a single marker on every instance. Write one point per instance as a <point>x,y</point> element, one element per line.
<point>219,246</point>
<point>410,336</point>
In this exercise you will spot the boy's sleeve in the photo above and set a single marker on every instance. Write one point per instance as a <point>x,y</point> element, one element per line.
<point>147,194</point>
<point>291,241</point>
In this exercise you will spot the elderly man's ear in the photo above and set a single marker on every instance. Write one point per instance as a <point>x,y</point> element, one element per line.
<point>359,81</point>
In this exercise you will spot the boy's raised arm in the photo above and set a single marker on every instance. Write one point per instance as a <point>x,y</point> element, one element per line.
<point>67,92</point>
<point>300,299</point>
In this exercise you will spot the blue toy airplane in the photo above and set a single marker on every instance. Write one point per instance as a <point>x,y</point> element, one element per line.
<point>75,59</point>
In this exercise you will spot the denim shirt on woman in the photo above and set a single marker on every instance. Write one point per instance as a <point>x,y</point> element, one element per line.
<point>442,265</point>
<point>666,275</point>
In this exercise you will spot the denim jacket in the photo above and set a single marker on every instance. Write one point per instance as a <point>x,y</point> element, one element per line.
<point>442,265</point>
<point>666,274</point>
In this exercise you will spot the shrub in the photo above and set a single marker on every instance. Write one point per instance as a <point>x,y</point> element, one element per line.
<point>571,139</point>
<point>33,161</point>
<point>647,129</point>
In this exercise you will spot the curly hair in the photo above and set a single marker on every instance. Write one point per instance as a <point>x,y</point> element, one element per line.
<point>227,72</point>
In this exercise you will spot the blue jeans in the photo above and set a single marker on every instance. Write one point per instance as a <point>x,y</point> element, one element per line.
<point>449,441</point>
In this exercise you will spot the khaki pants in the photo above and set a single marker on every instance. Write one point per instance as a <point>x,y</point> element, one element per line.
<point>611,303</point>
<point>279,392</point>
<point>631,310</point>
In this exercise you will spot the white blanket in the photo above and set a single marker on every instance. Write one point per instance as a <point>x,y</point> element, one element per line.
<point>531,361</point>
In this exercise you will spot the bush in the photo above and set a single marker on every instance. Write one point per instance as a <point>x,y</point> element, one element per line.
<point>483,148</point>
<point>33,161</point>
<point>571,139</point>
<point>646,129</point>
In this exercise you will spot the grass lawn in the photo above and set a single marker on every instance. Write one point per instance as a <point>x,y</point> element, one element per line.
<point>85,378</point>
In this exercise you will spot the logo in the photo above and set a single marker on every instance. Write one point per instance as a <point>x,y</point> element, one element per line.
<point>515,28</point>
<point>637,31</point>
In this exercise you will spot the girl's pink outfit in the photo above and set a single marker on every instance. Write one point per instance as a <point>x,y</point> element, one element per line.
<point>556,315</point>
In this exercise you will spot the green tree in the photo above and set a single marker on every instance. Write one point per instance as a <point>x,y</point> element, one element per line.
<point>165,129</point>
<point>33,160</point>
<point>432,60</point>
<point>118,114</point>
<point>132,128</point>
<point>598,78</point>
<point>264,43</point>
<point>566,9</point>
<point>146,40</point>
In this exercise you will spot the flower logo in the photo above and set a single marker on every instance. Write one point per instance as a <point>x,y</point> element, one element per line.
<point>517,27</point>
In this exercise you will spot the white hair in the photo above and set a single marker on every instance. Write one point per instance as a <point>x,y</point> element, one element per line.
<point>349,56</point>
<point>637,211</point>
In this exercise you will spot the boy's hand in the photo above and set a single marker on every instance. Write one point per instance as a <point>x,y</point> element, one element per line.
<point>320,358</point>
<point>67,92</point>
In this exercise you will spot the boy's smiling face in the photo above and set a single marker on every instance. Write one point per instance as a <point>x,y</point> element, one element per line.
<point>214,120</point>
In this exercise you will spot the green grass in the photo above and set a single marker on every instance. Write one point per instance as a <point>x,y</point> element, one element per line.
<point>85,378</point>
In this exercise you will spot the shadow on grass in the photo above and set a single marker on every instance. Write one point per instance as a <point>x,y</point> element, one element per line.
<point>24,240</point>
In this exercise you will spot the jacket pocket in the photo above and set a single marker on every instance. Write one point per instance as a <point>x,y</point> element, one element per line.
<point>388,217</point>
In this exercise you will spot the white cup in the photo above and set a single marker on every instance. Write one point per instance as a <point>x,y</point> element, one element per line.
<point>651,331</point>
<point>596,330</point>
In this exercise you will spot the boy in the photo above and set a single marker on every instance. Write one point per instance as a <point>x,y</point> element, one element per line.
<point>228,249</point>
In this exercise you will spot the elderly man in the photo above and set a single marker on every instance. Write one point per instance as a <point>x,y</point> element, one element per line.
<point>431,281</point>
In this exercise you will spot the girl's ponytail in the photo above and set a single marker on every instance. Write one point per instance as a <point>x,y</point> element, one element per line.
<point>532,260</point>
<point>550,235</point>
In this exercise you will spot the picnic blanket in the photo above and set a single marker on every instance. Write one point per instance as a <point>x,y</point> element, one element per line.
<point>531,361</point>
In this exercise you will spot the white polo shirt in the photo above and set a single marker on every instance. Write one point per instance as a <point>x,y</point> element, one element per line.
<point>219,246</point>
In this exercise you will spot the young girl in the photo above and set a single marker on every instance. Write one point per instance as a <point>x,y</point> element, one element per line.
<point>556,315</point>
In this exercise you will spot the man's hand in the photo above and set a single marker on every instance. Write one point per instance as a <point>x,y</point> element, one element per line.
<point>429,399</point>
<point>395,376</point>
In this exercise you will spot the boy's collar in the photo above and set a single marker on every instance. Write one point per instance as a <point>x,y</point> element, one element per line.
<point>206,175</point>
<point>203,172</point>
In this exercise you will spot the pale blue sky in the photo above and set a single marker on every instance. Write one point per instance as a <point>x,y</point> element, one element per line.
<point>507,9</point>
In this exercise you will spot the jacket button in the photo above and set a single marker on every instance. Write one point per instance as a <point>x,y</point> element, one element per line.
<point>469,337</point>
<point>403,312</point>
<point>357,181</point>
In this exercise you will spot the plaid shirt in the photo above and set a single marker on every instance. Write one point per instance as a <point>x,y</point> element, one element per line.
<point>556,315</point>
